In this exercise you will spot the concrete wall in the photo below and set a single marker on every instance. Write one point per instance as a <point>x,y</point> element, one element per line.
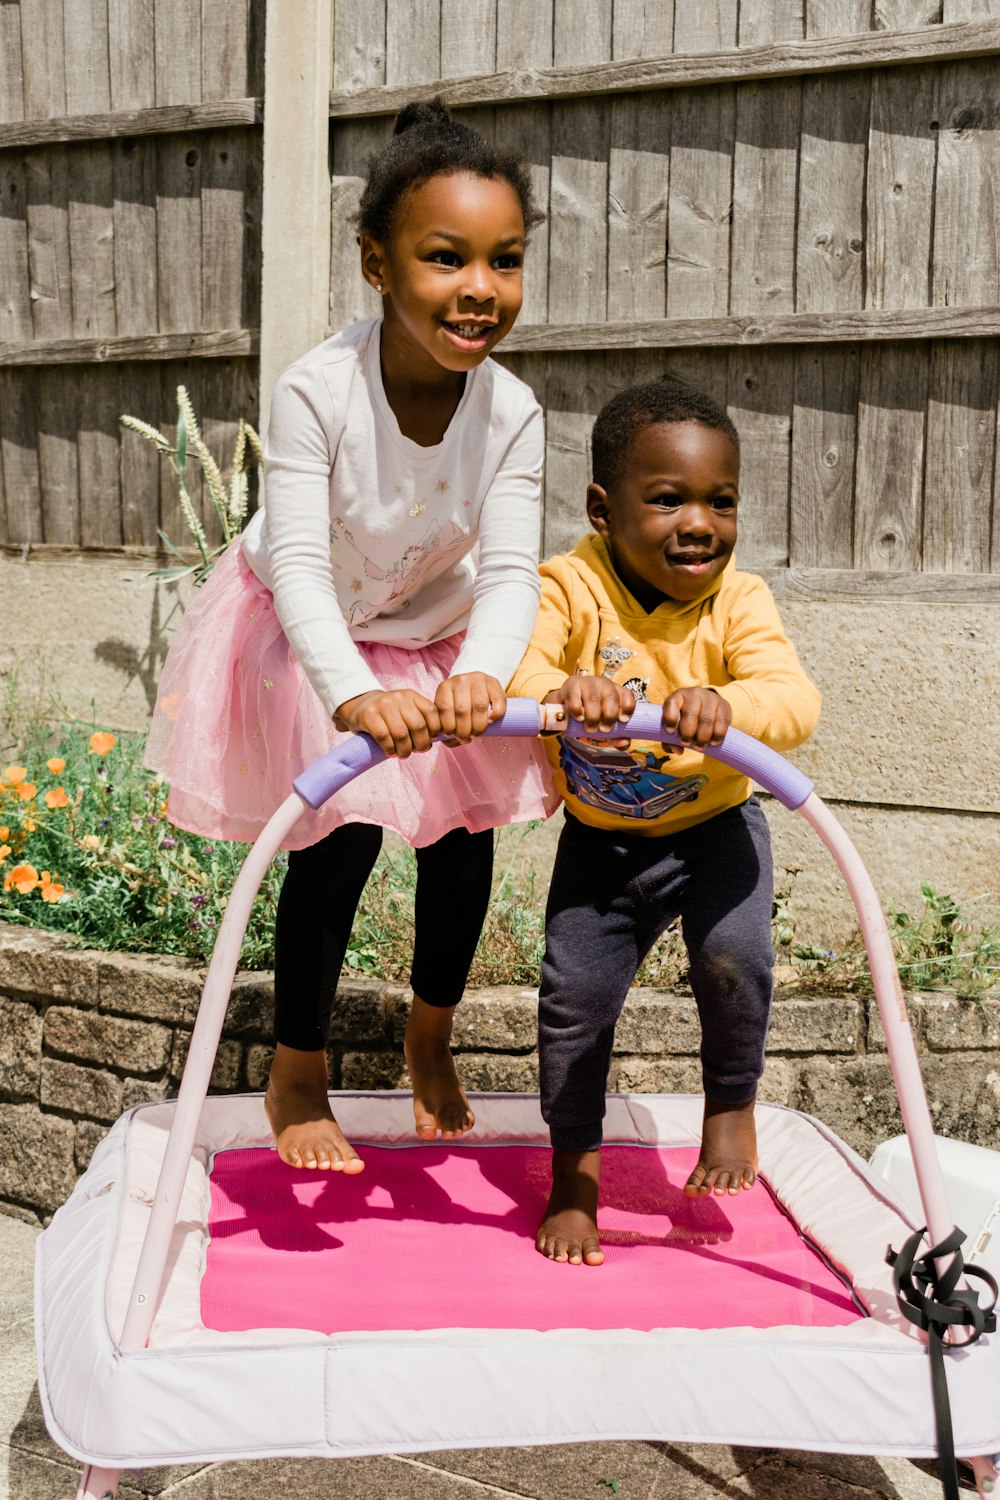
<point>905,752</point>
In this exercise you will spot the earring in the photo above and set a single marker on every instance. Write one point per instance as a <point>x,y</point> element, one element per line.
<point>378,286</point>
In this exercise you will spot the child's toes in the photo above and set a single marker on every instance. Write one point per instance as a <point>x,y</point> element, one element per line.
<point>696,1185</point>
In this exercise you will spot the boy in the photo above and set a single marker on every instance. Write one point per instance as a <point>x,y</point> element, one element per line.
<point>652,607</point>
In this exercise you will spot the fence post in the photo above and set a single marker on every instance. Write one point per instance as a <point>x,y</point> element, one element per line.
<point>295,280</point>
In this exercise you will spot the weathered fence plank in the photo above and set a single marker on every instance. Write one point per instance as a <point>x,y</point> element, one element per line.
<point>227,201</point>
<point>760,403</point>
<point>178,234</point>
<point>42,58</point>
<point>358,44</point>
<point>837,17</point>
<point>131,30</point>
<point>96,416</point>
<point>961,440</point>
<point>642,28</point>
<point>705,27</point>
<point>578,236</point>
<point>524,34</point>
<point>966,248</point>
<point>178,52</point>
<point>59,456</point>
<point>824,433</point>
<point>581,33</point>
<point>91,243</point>
<point>11,86</point>
<point>138,394</point>
<point>517,79</point>
<point>87,61</point>
<point>771,21</point>
<point>700,202</point>
<point>468,37</point>
<point>47,209</point>
<point>765,166</point>
<point>19,446</point>
<point>638,186</point>
<point>829,268</point>
<point>224,41</point>
<point>135,231</point>
<point>15,299</point>
<point>892,409</point>
<point>897,15</point>
<point>413,42</point>
<point>870,326</point>
<point>900,188</point>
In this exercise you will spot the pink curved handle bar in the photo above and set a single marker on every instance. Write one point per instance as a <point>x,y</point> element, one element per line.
<point>523,717</point>
<point>526,717</point>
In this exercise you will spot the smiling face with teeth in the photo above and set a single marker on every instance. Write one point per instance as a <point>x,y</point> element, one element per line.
<point>669,518</point>
<point>450,277</point>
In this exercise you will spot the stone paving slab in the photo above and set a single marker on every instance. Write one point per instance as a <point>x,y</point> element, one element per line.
<point>33,1468</point>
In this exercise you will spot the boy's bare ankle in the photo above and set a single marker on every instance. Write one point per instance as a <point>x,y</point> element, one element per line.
<point>568,1231</point>
<point>727,1162</point>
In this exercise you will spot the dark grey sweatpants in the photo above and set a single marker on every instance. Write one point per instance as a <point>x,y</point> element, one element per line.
<point>612,895</point>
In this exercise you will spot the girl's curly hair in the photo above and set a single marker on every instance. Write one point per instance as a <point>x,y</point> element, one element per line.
<point>426,142</point>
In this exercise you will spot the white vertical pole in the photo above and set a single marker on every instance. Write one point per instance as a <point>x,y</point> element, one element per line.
<point>295,289</point>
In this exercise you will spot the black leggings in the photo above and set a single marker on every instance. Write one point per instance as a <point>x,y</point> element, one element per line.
<point>316,913</point>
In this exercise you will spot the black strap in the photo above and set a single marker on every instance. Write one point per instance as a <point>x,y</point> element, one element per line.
<point>934,1302</point>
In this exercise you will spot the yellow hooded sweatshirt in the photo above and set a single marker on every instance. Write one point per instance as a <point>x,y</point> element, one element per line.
<point>730,639</point>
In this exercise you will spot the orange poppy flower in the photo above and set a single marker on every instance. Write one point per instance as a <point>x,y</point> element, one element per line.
<point>102,742</point>
<point>4,851</point>
<point>51,889</point>
<point>22,878</point>
<point>56,765</point>
<point>26,790</point>
<point>57,797</point>
<point>4,833</point>
<point>28,825</point>
<point>13,775</point>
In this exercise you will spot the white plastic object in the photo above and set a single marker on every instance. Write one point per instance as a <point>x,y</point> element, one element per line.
<point>972,1180</point>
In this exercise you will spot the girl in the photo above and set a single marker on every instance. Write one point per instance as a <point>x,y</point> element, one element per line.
<point>388,586</point>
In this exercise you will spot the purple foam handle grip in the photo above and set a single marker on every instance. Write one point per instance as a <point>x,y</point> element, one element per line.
<point>523,718</point>
<point>741,751</point>
<point>340,765</point>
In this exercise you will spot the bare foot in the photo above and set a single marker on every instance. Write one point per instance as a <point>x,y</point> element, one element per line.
<point>728,1159</point>
<point>439,1102</point>
<point>298,1109</point>
<point>568,1231</point>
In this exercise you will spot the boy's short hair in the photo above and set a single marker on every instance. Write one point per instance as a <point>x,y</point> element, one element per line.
<point>668,399</point>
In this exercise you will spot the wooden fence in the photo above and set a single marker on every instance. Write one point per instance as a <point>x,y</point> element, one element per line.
<point>793,202</point>
<point>802,221</point>
<point>130,214</point>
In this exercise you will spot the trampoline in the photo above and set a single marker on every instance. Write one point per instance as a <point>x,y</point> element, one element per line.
<point>197,1300</point>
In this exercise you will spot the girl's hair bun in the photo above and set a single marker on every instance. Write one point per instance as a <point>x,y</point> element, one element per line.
<point>432,112</point>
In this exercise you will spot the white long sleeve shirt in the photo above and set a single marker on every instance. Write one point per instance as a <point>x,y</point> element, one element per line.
<point>366,536</point>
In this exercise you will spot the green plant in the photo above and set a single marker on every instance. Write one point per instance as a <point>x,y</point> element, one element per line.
<point>229,501</point>
<point>941,948</point>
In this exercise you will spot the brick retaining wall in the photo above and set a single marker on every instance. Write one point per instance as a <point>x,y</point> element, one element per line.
<point>85,1035</point>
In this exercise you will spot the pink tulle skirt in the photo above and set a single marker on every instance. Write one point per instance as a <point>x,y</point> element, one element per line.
<point>236,720</point>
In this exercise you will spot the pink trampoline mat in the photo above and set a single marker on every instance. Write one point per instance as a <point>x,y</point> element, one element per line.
<point>442,1236</point>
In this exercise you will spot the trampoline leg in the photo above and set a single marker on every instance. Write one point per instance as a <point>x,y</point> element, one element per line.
<point>986,1474</point>
<point>98,1484</point>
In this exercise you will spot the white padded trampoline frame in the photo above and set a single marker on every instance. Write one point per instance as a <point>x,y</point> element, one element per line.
<point>113,1402</point>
